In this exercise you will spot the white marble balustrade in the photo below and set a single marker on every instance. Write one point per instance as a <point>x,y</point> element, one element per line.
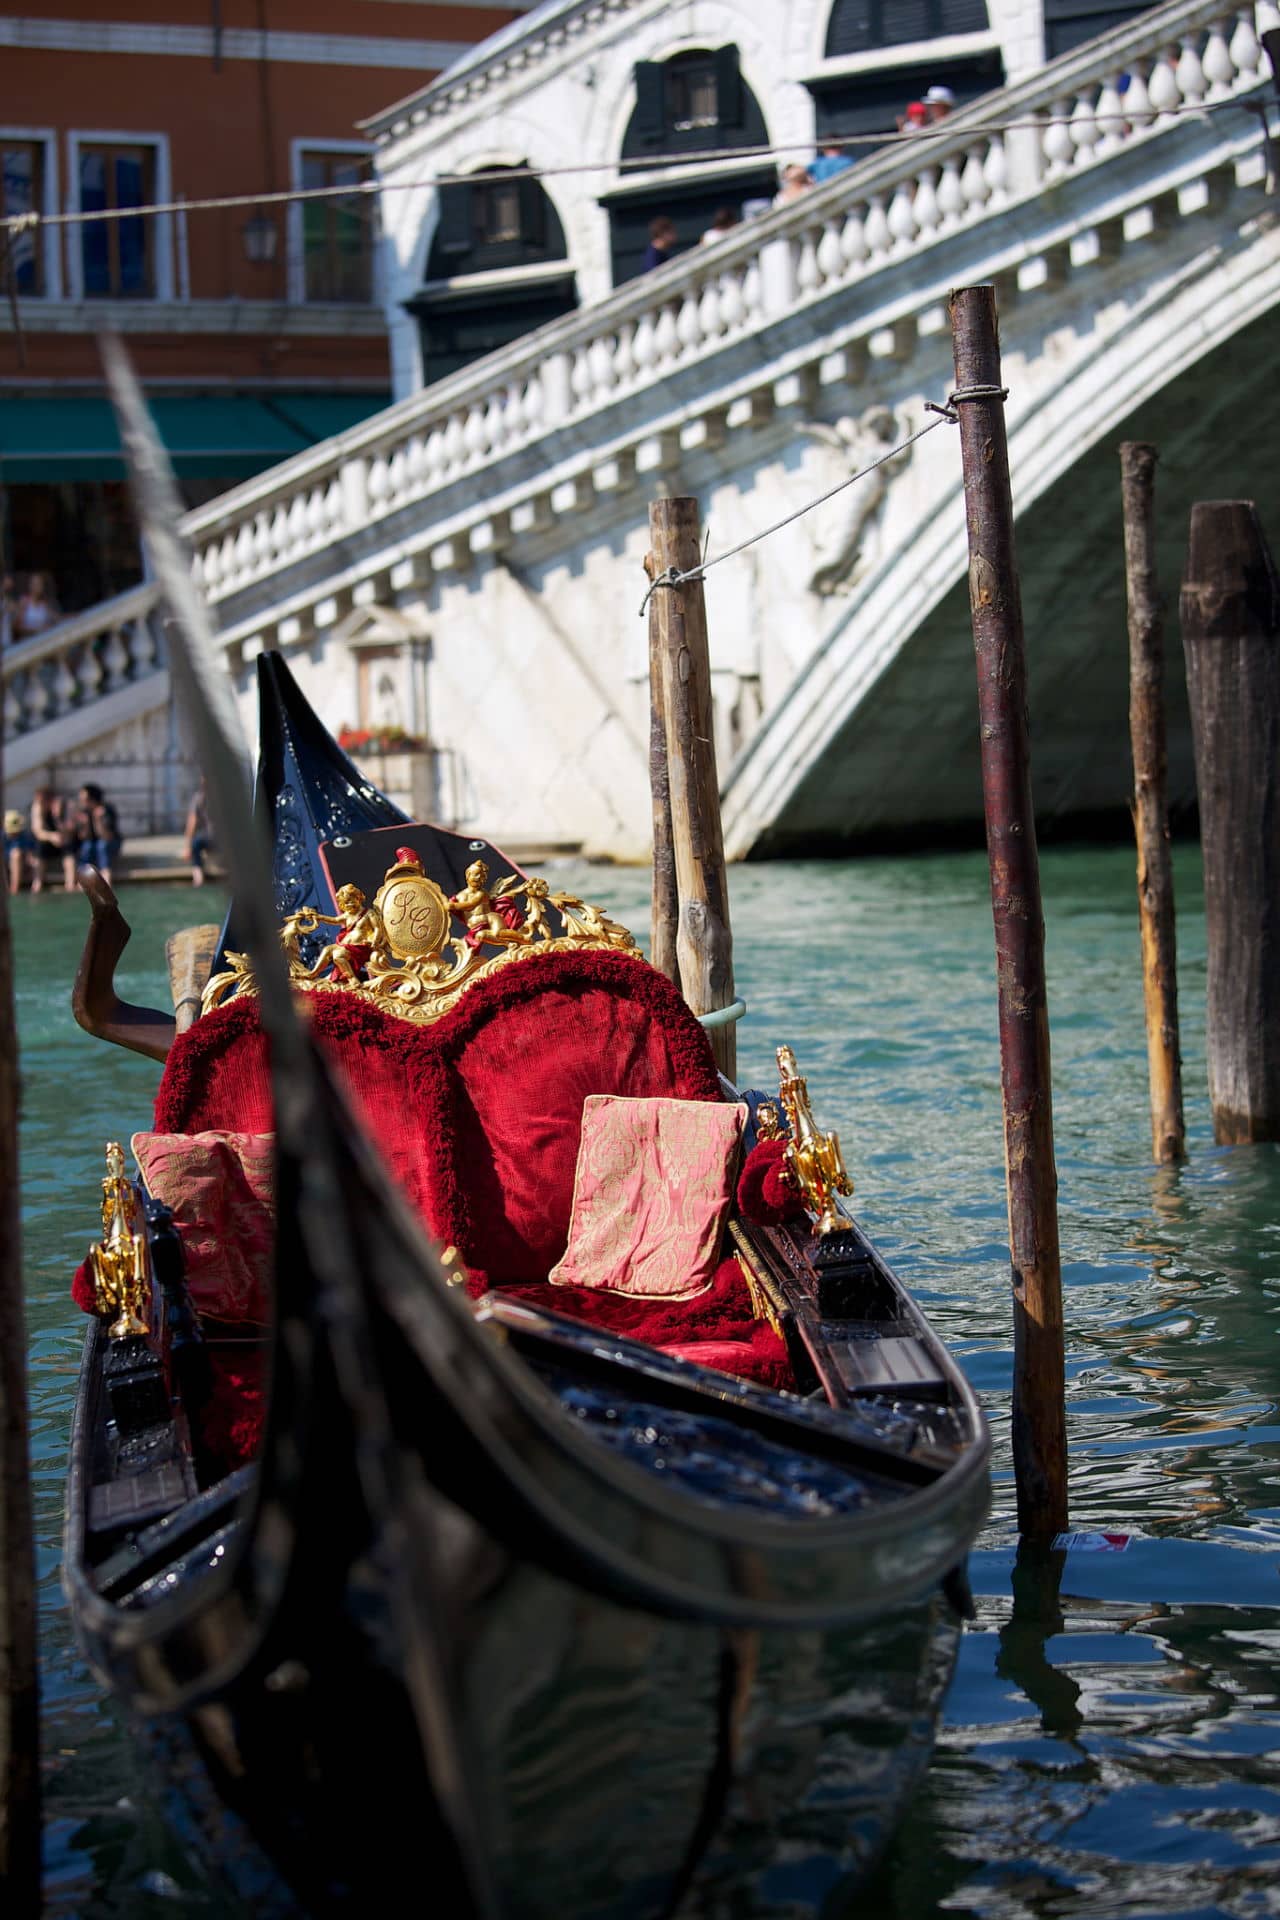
<point>1133,85</point>
<point>75,663</point>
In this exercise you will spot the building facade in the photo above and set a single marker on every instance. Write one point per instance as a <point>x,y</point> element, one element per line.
<point>628,113</point>
<point>256,331</point>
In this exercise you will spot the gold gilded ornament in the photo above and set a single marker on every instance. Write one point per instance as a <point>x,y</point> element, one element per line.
<point>815,1164</point>
<point>400,951</point>
<point>118,1262</point>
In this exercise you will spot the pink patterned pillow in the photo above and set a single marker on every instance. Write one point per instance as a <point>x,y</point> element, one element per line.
<point>220,1189</point>
<point>650,1195</point>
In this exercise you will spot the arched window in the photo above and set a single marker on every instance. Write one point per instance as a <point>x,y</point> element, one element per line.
<point>492,222</point>
<point>864,26</point>
<point>692,103</point>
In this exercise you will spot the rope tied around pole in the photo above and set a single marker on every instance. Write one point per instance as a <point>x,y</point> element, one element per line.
<point>945,411</point>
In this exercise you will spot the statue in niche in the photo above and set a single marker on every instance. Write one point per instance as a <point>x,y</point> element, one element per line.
<point>841,527</point>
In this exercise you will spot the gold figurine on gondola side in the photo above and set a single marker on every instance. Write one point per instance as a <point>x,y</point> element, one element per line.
<point>118,1262</point>
<point>815,1163</point>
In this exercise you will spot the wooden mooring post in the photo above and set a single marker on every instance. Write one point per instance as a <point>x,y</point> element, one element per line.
<point>681,670</point>
<point>1150,799</point>
<point>1039,1413</point>
<point>19,1701</point>
<point>1230,608</point>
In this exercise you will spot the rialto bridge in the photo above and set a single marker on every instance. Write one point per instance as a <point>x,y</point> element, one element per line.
<point>468,564</point>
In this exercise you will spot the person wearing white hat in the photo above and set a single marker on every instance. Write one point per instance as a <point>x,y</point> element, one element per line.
<point>939,101</point>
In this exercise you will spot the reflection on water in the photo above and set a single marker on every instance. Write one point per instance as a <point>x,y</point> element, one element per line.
<point>1108,1743</point>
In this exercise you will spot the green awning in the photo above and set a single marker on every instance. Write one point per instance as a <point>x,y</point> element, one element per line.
<point>209,435</point>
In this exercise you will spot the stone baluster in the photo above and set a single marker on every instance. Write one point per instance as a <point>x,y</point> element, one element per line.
<point>434,456</point>
<point>1136,101</point>
<point>12,709</point>
<point>1218,66</point>
<point>557,394</point>
<point>901,218</point>
<point>64,685</point>
<point>753,288</point>
<point>831,261</point>
<point>533,405</point>
<point>398,476</point>
<point>928,217</point>
<point>580,380</point>
<point>89,672</point>
<point>808,278</point>
<point>732,306</point>
<point>144,646</point>
<point>1190,75</point>
<point>1112,122</point>
<point>35,699</point>
<point>379,482</point>
<point>643,349</point>
<point>278,533</point>
<point>1245,48</point>
<point>600,355</point>
<point>624,357</point>
<point>951,198</point>
<point>1059,147</point>
<point>688,324</point>
<point>1162,89</point>
<point>1083,131</point>
<point>777,278</point>
<point>879,238</point>
<point>263,556</point>
<point>475,434</point>
<point>455,443</point>
<point>206,568</point>
<point>666,340</point>
<point>710,312</point>
<point>296,525</point>
<point>995,169</point>
<point>115,658</point>
<point>973,181</point>
<point>416,455</point>
<point>227,562</point>
<point>243,552</point>
<point>853,241</point>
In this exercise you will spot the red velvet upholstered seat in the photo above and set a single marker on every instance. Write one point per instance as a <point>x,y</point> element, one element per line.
<point>478,1116</point>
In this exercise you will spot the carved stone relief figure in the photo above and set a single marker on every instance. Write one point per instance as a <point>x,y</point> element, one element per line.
<point>843,527</point>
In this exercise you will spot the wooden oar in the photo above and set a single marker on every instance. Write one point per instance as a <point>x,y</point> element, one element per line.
<point>190,957</point>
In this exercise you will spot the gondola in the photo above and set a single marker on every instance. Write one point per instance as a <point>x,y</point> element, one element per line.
<point>505,1480</point>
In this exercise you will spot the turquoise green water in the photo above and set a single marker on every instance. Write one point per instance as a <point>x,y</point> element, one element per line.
<point>1109,1748</point>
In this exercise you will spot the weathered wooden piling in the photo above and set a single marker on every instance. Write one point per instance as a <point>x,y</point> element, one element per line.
<point>1039,1414</point>
<point>1230,608</point>
<point>678,645</point>
<point>19,1702</point>
<point>1150,799</point>
<point>665,915</point>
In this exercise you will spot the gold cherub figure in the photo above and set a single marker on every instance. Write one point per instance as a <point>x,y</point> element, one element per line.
<point>814,1160</point>
<point>363,937</point>
<point>489,917</point>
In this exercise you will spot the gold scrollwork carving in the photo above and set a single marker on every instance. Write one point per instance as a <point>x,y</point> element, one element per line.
<point>118,1262</point>
<point>400,951</point>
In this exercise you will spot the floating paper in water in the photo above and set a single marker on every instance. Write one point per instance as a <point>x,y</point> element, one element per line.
<point>1093,1542</point>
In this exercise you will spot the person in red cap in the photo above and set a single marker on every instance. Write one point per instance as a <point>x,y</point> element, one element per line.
<point>915,119</point>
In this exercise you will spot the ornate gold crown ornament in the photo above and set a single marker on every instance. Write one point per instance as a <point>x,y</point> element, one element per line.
<point>400,951</point>
<point>815,1164</point>
<point>118,1262</point>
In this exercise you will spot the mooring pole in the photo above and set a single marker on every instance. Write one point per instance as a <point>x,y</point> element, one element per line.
<point>678,616</point>
<point>19,1703</point>
<point>1230,607</point>
<point>1150,801</point>
<point>665,915</point>
<point>1039,1414</point>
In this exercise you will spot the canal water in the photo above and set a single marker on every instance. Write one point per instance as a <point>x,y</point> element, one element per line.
<point>1109,1745</point>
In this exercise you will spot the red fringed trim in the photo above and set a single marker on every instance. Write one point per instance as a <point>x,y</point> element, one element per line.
<point>82,1289</point>
<point>765,1195</point>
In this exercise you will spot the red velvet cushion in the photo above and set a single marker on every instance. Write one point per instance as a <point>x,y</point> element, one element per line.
<point>478,1115</point>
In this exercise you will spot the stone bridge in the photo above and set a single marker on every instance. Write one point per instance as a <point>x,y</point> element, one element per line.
<point>469,563</point>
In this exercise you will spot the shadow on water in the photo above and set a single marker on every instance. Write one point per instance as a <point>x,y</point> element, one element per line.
<point>1108,1744</point>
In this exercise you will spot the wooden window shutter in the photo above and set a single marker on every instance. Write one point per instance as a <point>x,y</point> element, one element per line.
<point>533,214</point>
<point>728,87</point>
<point>455,218</point>
<point>650,120</point>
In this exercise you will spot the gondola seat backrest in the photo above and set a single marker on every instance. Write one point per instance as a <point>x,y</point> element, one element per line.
<point>478,1114</point>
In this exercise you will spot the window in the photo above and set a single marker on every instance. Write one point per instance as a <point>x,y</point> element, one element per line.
<point>117,256</point>
<point>337,234</point>
<point>496,213</point>
<point>690,104</point>
<point>24,190</point>
<point>864,26</point>
<point>493,222</point>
